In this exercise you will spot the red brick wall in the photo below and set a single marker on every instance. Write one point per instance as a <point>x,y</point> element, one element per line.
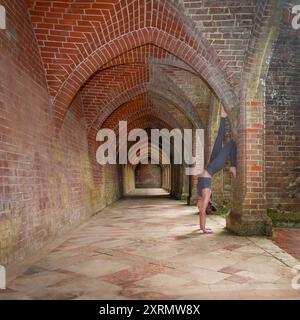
<point>73,174</point>
<point>227,26</point>
<point>283,122</point>
<point>26,145</point>
<point>46,183</point>
<point>148,176</point>
<point>113,183</point>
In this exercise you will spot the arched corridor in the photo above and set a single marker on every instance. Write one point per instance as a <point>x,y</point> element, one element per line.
<point>109,112</point>
<point>148,176</point>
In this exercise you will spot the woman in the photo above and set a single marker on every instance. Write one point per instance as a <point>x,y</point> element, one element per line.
<point>217,162</point>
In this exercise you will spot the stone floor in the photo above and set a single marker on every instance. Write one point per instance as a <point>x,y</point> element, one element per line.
<point>147,246</point>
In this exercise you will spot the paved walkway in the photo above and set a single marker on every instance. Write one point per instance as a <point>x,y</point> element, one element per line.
<point>145,247</point>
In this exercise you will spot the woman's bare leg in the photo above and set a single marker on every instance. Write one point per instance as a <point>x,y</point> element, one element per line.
<point>206,192</point>
<point>202,205</point>
<point>205,174</point>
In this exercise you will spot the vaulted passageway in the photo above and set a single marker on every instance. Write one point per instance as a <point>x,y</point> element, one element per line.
<point>69,69</point>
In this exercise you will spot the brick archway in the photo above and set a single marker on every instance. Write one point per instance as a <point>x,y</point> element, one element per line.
<point>127,79</point>
<point>133,114</point>
<point>127,96</point>
<point>194,58</point>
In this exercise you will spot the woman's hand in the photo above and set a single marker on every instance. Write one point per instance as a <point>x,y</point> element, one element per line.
<point>232,171</point>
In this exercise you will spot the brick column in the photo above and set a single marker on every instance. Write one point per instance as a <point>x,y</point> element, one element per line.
<point>168,178</point>
<point>185,185</point>
<point>248,210</point>
<point>248,214</point>
<point>198,151</point>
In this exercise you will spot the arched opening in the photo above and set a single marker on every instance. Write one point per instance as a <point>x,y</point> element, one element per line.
<point>148,176</point>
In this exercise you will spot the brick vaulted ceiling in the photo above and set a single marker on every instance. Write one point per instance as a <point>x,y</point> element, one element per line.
<point>138,55</point>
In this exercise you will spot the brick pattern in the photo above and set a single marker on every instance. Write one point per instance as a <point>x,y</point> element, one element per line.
<point>19,40</point>
<point>227,25</point>
<point>24,147</point>
<point>148,176</point>
<point>70,31</point>
<point>123,78</point>
<point>288,240</point>
<point>163,92</point>
<point>76,40</point>
<point>193,88</point>
<point>139,107</point>
<point>283,122</point>
<point>263,12</point>
<point>113,82</point>
<point>248,197</point>
<point>144,54</point>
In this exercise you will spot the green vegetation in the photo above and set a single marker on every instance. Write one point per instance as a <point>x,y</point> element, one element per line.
<point>284,218</point>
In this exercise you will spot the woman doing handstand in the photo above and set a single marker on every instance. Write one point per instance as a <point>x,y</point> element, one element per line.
<point>217,162</point>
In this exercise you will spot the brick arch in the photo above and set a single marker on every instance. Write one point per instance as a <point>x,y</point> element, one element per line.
<point>133,121</point>
<point>76,30</point>
<point>149,154</point>
<point>135,112</point>
<point>200,60</point>
<point>146,153</point>
<point>260,29</point>
<point>134,92</point>
<point>150,120</point>
<point>137,109</point>
<point>127,74</point>
<point>104,86</point>
<point>253,89</point>
<point>150,54</point>
<point>142,120</point>
<point>252,129</point>
<point>143,54</point>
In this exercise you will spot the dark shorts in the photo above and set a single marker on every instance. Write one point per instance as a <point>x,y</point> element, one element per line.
<point>203,182</point>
